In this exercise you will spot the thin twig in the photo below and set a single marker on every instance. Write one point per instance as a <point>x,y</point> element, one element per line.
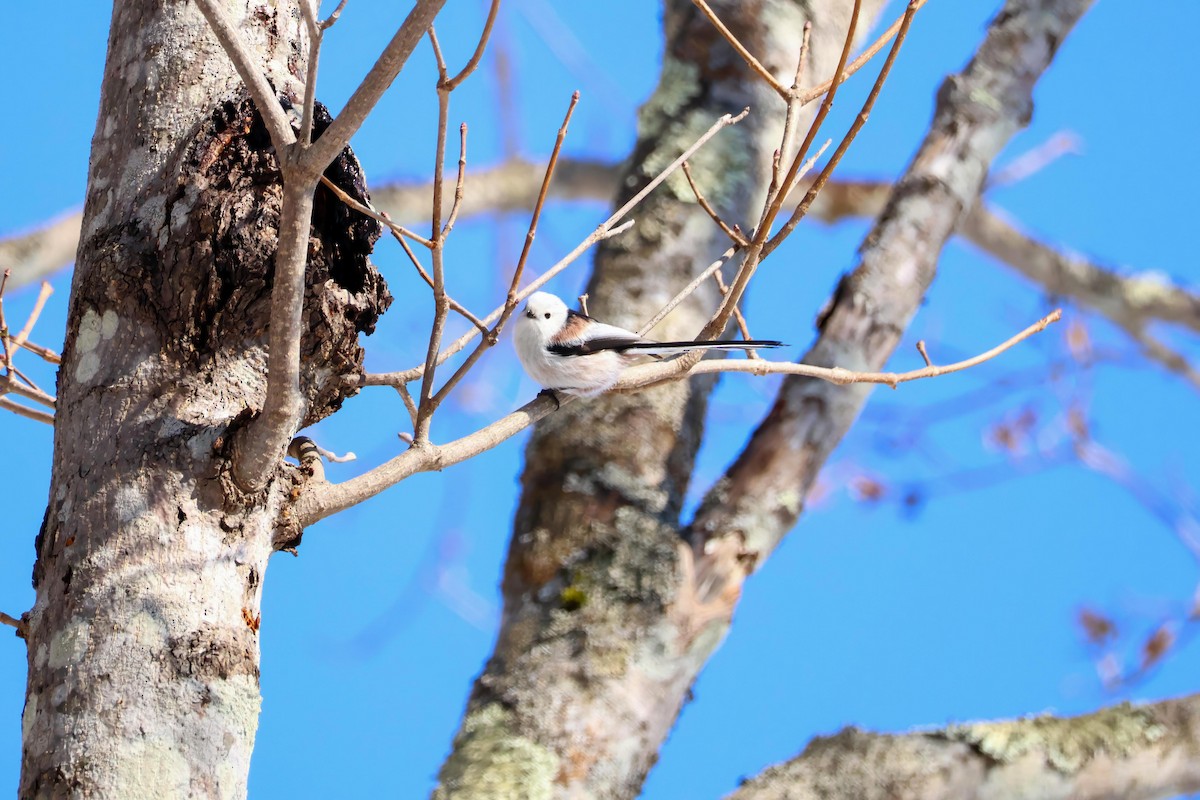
<point>738,317</point>
<point>741,50</point>
<point>4,338</point>
<point>604,231</point>
<point>784,153</point>
<point>855,127</point>
<point>26,411</point>
<point>26,379</point>
<point>686,291</point>
<point>45,353</point>
<point>375,214</point>
<point>473,63</point>
<point>315,35</point>
<point>425,403</point>
<point>511,302</point>
<point>378,79</point>
<point>458,185</point>
<point>863,58</point>
<point>649,374</point>
<point>43,295</point>
<point>771,208</point>
<point>455,306</point>
<point>531,233</point>
<point>402,235</point>
<point>409,403</point>
<point>1036,159</point>
<point>320,501</point>
<point>922,351</point>
<point>10,385</point>
<point>737,238</point>
<point>329,21</point>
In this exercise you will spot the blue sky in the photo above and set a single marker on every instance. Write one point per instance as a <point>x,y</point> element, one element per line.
<point>868,614</point>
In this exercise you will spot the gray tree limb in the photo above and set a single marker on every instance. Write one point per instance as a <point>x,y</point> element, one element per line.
<point>761,496</point>
<point>585,683</point>
<point>1130,752</point>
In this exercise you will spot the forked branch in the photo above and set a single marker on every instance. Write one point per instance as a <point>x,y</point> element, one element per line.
<point>322,500</point>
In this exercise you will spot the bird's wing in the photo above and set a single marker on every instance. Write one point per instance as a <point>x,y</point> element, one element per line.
<point>592,337</point>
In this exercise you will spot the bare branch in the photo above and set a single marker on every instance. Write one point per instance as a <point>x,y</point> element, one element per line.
<point>604,231</point>
<point>473,63</point>
<point>332,19</point>
<point>511,301</point>
<point>402,234</point>
<point>855,127</point>
<point>1125,300</point>
<point>743,328</point>
<point>375,214</point>
<point>425,404</point>
<point>458,184</point>
<point>251,74</point>
<point>378,79</point>
<point>513,185</point>
<point>13,622</point>
<point>25,411</point>
<point>316,35</point>
<point>885,290</point>
<point>1157,351</point>
<point>43,295</point>
<point>753,254</point>
<point>263,441</point>
<point>685,292</point>
<point>650,374</point>
<point>866,55</point>
<point>322,501</point>
<point>41,251</point>
<point>737,238</point>
<point>10,385</point>
<point>5,340</point>
<point>1144,749</point>
<point>741,50</point>
<point>784,153</point>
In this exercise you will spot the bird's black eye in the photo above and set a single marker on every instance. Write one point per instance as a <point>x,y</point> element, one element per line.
<point>531,315</point>
<point>547,315</point>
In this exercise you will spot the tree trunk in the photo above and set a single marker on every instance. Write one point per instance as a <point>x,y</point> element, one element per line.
<point>577,698</point>
<point>143,641</point>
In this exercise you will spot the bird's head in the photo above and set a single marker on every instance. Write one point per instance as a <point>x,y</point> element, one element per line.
<point>544,313</point>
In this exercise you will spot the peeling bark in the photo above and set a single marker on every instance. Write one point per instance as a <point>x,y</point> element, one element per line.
<point>143,640</point>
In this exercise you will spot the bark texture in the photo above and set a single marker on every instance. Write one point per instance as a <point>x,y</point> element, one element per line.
<point>609,615</point>
<point>143,640</point>
<point>589,672</point>
<point>978,111</point>
<point>1125,752</point>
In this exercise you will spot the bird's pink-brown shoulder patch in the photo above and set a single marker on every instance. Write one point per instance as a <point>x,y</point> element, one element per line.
<point>573,328</point>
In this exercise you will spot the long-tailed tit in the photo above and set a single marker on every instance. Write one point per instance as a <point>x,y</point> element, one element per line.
<point>573,353</point>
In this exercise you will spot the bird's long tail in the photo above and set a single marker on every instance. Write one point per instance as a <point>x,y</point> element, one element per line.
<point>671,348</point>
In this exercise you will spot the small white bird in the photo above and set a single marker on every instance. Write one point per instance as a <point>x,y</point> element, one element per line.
<point>571,352</point>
